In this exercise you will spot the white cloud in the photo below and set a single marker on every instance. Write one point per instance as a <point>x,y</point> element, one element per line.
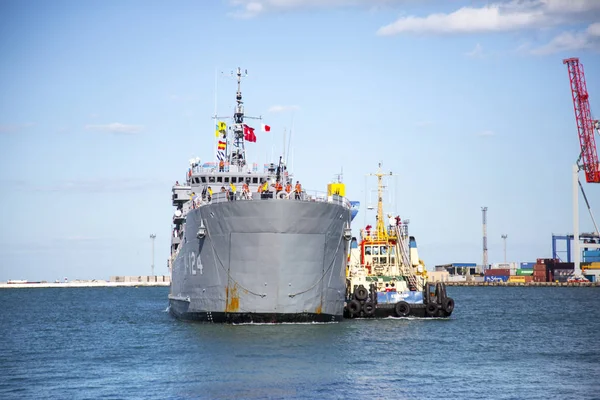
<point>498,17</point>
<point>280,108</point>
<point>116,128</point>
<point>486,133</point>
<point>477,52</point>
<point>253,8</point>
<point>594,29</point>
<point>572,40</point>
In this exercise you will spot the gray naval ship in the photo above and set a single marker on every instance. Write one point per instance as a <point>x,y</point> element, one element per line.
<point>241,254</point>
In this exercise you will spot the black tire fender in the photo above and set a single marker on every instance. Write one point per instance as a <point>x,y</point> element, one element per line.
<point>369,309</point>
<point>402,309</point>
<point>448,304</point>
<point>440,291</point>
<point>431,309</point>
<point>353,307</point>
<point>361,293</point>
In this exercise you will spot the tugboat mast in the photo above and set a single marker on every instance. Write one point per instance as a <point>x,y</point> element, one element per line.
<point>381,231</point>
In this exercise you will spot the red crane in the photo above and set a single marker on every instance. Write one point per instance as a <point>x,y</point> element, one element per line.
<point>588,159</point>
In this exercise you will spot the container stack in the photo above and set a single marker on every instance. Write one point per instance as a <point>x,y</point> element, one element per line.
<point>559,271</point>
<point>591,256</point>
<point>540,273</point>
<point>497,275</point>
<point>591,270</point>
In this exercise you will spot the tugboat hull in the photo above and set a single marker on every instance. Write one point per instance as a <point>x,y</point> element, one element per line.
<point>436,304</point>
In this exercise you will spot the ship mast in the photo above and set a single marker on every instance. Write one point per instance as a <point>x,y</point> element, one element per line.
<point>381,232</point>
<point>238,155</point>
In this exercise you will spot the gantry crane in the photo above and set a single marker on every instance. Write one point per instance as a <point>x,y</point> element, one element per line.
<point>588,158</point>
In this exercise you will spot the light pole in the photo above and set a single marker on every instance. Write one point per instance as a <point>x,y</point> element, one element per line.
<point>152,236</point>
<point>504,237</point>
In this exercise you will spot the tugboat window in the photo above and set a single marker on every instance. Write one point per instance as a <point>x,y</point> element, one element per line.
<point>203,179</point>
<point>254,180</point>
<point>375,250</point>
<point>219,179</point>
<point>367,250</point>
<point>383,250</point>
<point>226,179</point>
<point>211,179</point>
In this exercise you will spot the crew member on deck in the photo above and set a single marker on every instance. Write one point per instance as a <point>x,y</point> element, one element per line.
<point>263,190</point>
<point>232,191</point>
<point>209,193</point>
<point>297,190</point>
<point>222,165</point>
<point>246,191</point>
<point>288,188</point>
<point>278,187</point>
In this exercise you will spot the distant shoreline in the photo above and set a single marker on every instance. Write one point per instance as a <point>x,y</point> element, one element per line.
<point>80,284</point>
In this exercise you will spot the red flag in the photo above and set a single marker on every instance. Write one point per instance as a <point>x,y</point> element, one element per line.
<point>249,134</point>
<point>265,127</point>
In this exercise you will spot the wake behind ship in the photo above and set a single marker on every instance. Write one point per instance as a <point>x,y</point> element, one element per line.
<point>249,245</point>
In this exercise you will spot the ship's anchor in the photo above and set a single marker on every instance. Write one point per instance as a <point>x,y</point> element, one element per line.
<point>201,231</point>
<point>347,234</point>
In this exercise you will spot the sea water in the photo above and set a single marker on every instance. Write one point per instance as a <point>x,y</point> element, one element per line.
<point>120,343</point>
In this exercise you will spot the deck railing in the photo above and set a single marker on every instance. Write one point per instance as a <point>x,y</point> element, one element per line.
<point>211,167</point>
<point>305,196</point>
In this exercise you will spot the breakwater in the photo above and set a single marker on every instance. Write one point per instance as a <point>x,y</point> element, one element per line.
<point>536,284</point>
<point>115,281</point>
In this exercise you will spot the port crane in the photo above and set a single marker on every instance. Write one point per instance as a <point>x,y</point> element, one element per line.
<point>588,158</point>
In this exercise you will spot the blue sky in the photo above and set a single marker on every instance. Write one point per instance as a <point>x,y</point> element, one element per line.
<point>468,102</point>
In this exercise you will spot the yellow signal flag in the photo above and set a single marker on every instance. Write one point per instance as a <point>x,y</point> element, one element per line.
<point>221,128</point>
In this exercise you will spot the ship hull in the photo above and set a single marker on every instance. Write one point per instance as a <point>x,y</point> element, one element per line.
<point>262,261</point>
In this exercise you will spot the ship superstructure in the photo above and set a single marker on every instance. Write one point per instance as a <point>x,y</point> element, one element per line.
<point>247,248</point>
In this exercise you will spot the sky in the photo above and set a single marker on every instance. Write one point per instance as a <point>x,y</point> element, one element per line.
<point>467,103</point>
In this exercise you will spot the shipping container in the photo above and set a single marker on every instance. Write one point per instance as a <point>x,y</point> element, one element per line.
<point>591,253</point>
<point>497,272</point>
<point>594,265</point>
<point>511,265</point>
<point>527,265</point>
<point>570,266</point>
<point>561,275</point>
<point>520,279</point>
<point>562,272</point>
<point>496,278</point>
<point>539,267</point>
<point>524,272</point>
<point>540,276</point>
<point>591,278</point>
